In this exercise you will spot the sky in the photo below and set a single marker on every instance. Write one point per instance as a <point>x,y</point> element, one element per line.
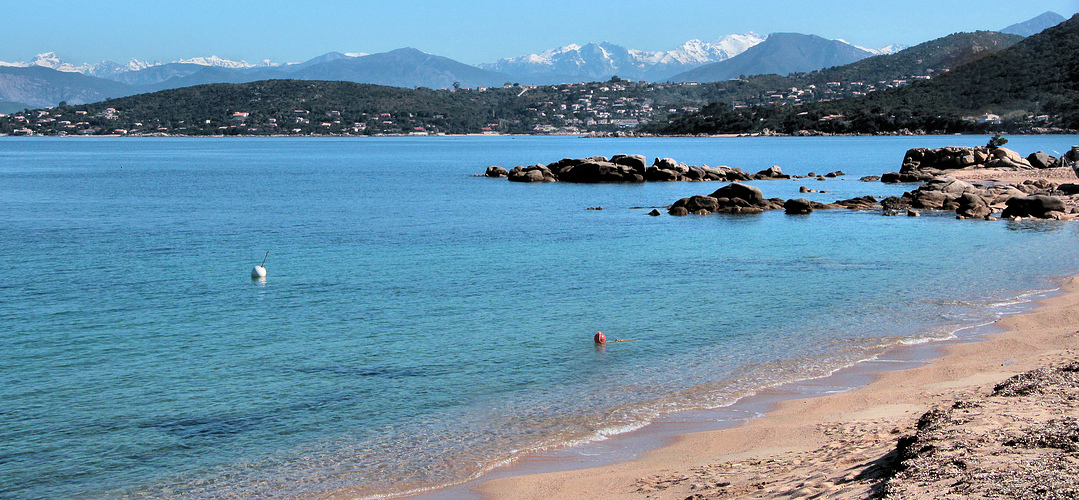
<point>471,32</point>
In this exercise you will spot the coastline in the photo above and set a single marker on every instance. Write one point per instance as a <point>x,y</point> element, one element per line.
<point>586,135</point>
<point>837,426</point>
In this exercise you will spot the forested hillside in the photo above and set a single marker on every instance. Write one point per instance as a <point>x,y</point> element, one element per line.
<point>1032,86</point>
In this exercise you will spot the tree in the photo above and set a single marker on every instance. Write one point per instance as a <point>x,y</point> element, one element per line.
<point>996,142</point>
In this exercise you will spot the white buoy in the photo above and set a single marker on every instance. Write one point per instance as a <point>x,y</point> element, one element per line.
<point>259,271</point>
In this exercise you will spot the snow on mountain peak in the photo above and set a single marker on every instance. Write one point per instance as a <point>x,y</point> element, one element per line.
<point>51,61</point>
<point>891,49</point>
<point>599,60</point>
<point>216,62</point>
<point>137,65</point>
<point>699,52</point>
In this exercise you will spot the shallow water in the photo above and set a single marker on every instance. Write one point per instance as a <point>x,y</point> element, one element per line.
<point>418,324</point>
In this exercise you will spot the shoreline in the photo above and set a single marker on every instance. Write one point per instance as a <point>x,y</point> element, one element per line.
<point>587,135</point>
<point>877,401</point>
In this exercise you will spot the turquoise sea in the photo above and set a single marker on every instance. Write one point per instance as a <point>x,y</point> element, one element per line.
<point>419,325</point>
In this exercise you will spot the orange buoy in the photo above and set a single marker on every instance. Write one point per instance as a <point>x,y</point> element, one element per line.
<point>600,338</point>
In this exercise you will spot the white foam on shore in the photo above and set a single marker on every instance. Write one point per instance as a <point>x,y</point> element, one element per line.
<point>731,392</point>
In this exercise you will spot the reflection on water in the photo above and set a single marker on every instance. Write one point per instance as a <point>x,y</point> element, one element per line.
<point>1039,225</point>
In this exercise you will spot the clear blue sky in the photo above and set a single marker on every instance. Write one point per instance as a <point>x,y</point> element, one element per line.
<point>469,31</point>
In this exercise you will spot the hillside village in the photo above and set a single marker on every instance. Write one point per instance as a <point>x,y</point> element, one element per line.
<point>581,108</point>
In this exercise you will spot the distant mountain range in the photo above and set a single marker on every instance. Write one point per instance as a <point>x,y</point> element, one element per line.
<point>1027,83</point>
<point>47,80</point>
<point>934,86</point>
<point>593,62</point>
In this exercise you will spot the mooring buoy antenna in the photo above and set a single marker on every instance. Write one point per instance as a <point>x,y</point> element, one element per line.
<point>259,271</point>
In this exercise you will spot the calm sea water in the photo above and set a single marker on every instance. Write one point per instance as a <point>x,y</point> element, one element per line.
<point>418,324</point>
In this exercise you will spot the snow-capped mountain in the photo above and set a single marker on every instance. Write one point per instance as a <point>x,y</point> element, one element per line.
<point>698,52</point>
<point>594,61</point>
<point>48,60</point>
<point>891,49</point>
<point>105,69</point>
<point>218,62</point>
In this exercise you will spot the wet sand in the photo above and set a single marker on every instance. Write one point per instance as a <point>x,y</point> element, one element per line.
<point>838,445</point>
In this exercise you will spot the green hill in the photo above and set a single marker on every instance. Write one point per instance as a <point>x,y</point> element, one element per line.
<point>301,107</point>
<point>1036,77</point>
<point>930,58</point>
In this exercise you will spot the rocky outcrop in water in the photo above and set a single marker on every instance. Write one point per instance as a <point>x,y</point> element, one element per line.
<point>535,173</point>
<point>634,168</point>
<point>1040,206</point>
<point>922,164</point>
<point>970,200</point>
<point>496,171</point>
<point>798,206</point>
<point>623,169</point>
<point>735,198</point>
<point>1032,197</point>
<point>738,198</point>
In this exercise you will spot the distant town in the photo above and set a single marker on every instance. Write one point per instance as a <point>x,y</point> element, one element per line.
<point>583,108</point>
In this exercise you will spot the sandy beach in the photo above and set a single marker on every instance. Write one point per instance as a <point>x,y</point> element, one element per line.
<point>844,445</point>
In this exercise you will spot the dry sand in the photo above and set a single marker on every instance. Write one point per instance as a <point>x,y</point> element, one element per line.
<point>844,445</point>
<point>1058,175</point>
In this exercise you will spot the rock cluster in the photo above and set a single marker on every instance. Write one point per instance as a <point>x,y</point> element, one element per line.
<point>922,164</point>
<point>496,171</point>
<point>735,198</point>
<point>619,168</point>
<point>738,198</point>
<point>634,168</point>
<point>1037,198</point>
<point>1028,199</point>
